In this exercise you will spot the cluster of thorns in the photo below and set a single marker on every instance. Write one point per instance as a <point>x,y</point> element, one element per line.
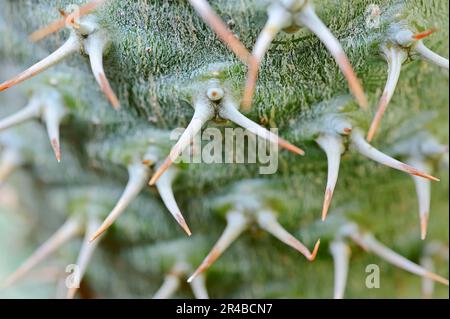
<point>89,38</point>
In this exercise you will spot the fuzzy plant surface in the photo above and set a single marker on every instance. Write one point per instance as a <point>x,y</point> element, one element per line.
<point>163,60</point>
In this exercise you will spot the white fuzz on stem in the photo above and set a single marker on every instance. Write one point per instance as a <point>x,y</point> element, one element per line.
<point>236,224</point>
<point>208,15</point>
<point>268,222</point>
<point>333,147</point>
<point>138,176</point>
<point>69,230</point>
<point>308,18</point>
<point>164,186</point>
<point>72,45</point>
<point>359,144</point>
<point>395,57</point>
<point>341,256</point>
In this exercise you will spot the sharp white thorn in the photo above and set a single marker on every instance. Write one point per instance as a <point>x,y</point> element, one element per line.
<point>10,160</point>
<point>95,46</point>
<point>172,281</point>
<point>395,57</point>
<point>444,162</point>
<point>430,55</point>
<point>164,186</point>
<point>374,246</point>
<point>423,190</point>
<point>208,15</point>
<point>308,18</point>
<point>31,111</point>
<point>359,144</point>
<point>267,221</point>
<point>333,147</point>
<point>278,18</point>
<point>431,147</point>
<point>427,284</point>
<point>341,256</point>
<point>138,176</point>
<point>86,252</point>
<point>236,224</point>
<point>168,288</point>
<point>53,113</point>
<point>202,115</point>
<point>72,45</point>
<point>69,230</point>
<point>198,286</point>
<point>230,112</point>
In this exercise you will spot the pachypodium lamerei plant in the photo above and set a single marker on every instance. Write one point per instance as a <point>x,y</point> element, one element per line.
<point>314,70</point>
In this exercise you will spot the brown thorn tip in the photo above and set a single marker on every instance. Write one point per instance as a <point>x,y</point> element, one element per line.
<point>70,46</point>
<point>416,172</point>
<point>97,234</point>
<point>290,147</point>
<point>7,84</point>
<point>315,250</point>
<point>205,265</point>
<point>423,225</point>
<point>184,225</point>
<point>422,35</point>
<point>56,150</point>
<point>326,203</point>
<point>106,88</point>
<point>106,224</point>
<point>437,278</point>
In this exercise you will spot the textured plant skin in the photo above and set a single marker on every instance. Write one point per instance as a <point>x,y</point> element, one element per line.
<point>161,54</point>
